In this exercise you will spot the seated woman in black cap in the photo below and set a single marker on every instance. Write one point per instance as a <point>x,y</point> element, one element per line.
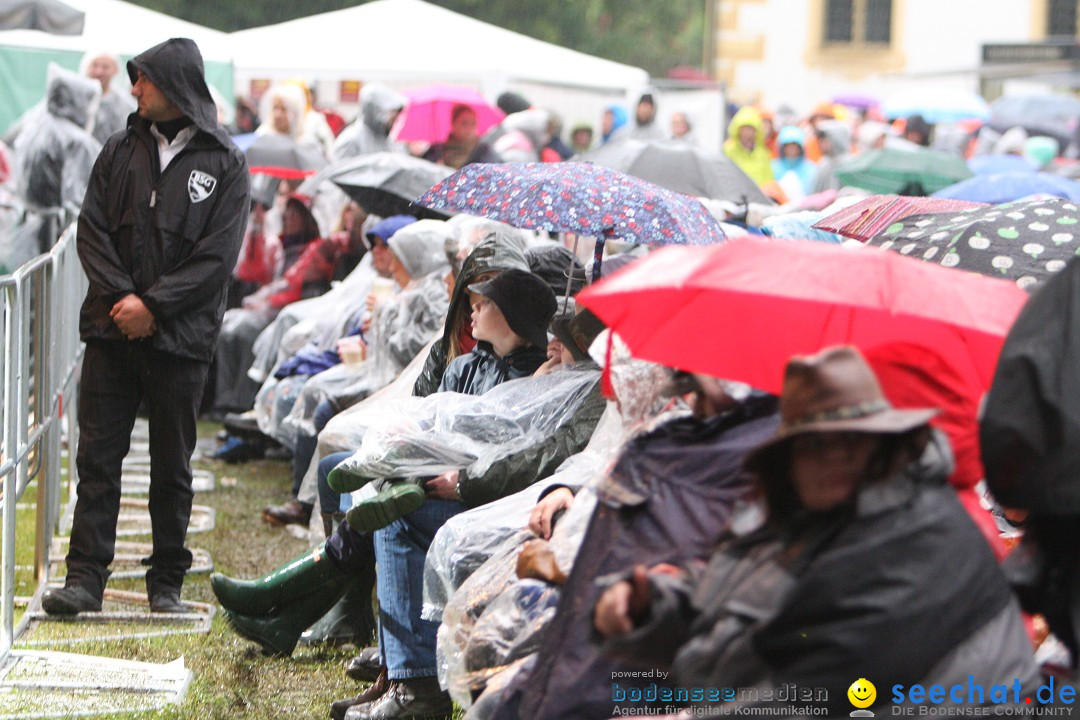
<point>862,566</point>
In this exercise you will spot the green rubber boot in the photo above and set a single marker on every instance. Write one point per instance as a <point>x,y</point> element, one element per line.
<point>395,501</point>
<point>259,598</point>
<point>342,480</point>
<point>279,632</point>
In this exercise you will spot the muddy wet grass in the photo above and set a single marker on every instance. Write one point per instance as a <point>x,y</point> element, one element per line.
<point>233,678</point>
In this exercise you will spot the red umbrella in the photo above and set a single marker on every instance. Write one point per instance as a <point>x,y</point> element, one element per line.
<point>871,216</point>
<point>741,309</point>
<point>427,115</point>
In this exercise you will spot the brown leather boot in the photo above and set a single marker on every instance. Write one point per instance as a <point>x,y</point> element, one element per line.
<point>293,512</point>
<point>373,692</point>
<point>412,699</point>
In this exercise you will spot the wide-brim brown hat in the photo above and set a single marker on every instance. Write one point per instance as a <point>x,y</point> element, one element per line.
<point>834,391</point>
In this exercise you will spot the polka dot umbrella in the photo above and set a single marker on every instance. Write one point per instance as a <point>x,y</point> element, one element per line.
<point>1024,241</point>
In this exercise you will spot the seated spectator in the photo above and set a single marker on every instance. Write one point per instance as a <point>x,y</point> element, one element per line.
<point>275,610</point>
<point>235,392</point>
<point>861,544</point>
<point>667,498</point>
<point>393,330</point>
<point>510,316</point>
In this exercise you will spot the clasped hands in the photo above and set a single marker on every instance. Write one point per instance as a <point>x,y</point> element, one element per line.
<point>132,317</point>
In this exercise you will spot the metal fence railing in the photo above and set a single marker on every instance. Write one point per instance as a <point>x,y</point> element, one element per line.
<point>39,316</point>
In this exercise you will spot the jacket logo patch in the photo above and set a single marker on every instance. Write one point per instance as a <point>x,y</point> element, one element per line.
<point>200,185</point>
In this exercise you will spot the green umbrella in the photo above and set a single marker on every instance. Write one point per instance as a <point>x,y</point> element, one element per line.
<point>907,172</point>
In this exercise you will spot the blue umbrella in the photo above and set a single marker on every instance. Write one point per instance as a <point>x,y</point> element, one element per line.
<point>998,163</point>
<point>1005,187</point>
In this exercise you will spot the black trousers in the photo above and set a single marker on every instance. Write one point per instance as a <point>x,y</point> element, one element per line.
<point>116,377</point>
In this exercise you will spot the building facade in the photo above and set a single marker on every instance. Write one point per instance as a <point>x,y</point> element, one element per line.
<point>802,52</point>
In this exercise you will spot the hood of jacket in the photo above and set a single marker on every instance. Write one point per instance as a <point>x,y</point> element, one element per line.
<point>839,136</point>
<point>377,102</point>
<point>534,124</point>
<point>70,96</point>
<point>747,116</point>
<point>176,68</point>
<point>419,247</point>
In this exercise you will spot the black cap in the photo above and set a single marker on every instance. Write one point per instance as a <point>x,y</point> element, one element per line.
<point>526,301</point>
<point>578,332</point>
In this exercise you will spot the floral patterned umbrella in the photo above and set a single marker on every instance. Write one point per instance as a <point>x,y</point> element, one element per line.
<point>1024,241</point>
<point>576,197</point>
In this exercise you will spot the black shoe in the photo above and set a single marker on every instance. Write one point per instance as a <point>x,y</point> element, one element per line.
<point>238,450</point>
<point>415,699</point>
<point>70,600</point>
<point>244,425</point>
<point>167,601</point>
<point>365,667</point>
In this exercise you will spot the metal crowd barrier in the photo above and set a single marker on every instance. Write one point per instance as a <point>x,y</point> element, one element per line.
<point>39,321</point>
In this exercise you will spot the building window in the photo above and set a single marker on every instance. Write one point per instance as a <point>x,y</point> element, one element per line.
<point>1061,18</point>
<point>858,22</point>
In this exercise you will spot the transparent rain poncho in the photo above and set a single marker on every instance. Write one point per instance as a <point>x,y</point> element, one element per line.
<point>401,326</point>
<point>492,620</point>
<point>54,154</point>
<point>321,320</point>
<point>419,437</point>
<point>345,431</point>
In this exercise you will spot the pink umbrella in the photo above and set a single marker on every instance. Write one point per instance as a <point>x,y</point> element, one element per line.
<point>427,116</point>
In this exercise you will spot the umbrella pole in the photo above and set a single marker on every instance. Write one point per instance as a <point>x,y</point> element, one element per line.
<point>570,276</point>
<point>598,253</point>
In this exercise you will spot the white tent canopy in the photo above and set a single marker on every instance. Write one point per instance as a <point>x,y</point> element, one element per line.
<point>111,26</point>
<point>402,41</point>
<point>123,29</point>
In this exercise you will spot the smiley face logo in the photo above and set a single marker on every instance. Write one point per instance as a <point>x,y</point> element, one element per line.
<point>862,693</point>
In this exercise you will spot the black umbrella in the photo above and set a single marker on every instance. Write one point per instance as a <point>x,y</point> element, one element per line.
<point>284,158</point>
<point>386,183</point>
<point>51,16</point>
<point>681,167</point>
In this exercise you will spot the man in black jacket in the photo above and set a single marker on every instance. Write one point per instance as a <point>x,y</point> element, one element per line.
<point>158,236</point>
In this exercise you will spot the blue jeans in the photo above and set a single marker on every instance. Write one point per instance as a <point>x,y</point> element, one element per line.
<point>330,500</point>
<point>408,642</point>
<point>306,445</point>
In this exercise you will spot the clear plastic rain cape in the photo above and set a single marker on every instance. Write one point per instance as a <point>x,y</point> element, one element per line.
<point>491,620</point>
<point>401,326</point>
<point>419,437</point>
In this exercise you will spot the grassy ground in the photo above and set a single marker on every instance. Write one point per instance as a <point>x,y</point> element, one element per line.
<point>233,679</point>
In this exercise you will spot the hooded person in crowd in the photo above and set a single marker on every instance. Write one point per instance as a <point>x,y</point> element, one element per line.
<point>645,126</point>
<point>613,124</point>
<point>115,104</point>
<point>54,154</point>
<point>370,131</point>
<point>858,546</point>
<point>158,236</point>
<point>746,145</point>
<point>792,169</point>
